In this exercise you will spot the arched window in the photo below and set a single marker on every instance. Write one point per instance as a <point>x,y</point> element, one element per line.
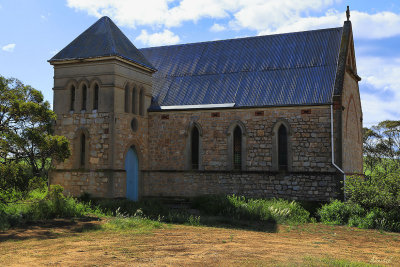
<point>84,97</point>
<point>237,148</point>
<point>82,151</point>
<point>141,102</point>
<point>134,100</point>
<point>127,98</point>
<point>72,99</point>
<point>195,148</point>
<point>96,97</point>
<point>282,148</point>
<point>236,142</point>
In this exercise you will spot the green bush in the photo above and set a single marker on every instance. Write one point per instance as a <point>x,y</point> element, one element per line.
<point>54,205</point>
<point>339,213</point>
<point>351,214</point>
<point>240,208</point>
<point>377,191</point>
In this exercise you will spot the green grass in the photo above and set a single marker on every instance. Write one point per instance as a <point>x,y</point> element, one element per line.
<point>133,224</point>
<point>331,262</point>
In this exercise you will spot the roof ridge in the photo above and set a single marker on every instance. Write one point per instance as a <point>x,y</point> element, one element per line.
<point>244,38</point>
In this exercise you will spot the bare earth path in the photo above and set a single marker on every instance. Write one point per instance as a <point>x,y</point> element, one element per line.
<point>65,243</point>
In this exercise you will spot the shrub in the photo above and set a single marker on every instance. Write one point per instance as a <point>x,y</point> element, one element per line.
<point>338,212</point>
<point>54,205</point>
<point>351,214</point>
<point>238,207</point>
<point>380,190</point>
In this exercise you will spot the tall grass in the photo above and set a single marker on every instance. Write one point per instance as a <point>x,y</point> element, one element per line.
<point>241,208</point>
<point>53,205</point>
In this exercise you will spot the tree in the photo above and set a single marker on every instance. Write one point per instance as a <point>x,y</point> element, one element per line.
<point>28,147</point>
<point>382,147</point>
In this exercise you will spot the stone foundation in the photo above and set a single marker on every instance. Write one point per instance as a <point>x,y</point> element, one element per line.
<point>294,186</point>
<point>105,184</point>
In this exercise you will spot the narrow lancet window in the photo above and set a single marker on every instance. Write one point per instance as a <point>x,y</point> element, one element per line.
<point>96,97</point>
<point>72,100</point>
<point>141,104</point>
<point>83,150</point>
<point>195,148</point>
<point>282,148</point>
<point>134,100</point>
<point>126,99</point>
<point>237,148</point>
<point>84,97</point>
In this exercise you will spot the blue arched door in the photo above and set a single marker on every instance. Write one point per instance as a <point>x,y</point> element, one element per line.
<point>132,174</point>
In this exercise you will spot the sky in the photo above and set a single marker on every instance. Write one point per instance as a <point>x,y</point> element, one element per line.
<point>32,31</point>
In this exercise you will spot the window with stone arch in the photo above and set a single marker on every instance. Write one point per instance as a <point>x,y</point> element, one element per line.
<point>194,146</point>
<point>72,98</point>
<point>237,140</point>
<point>84,97</point>
<point>82,154</point>
<point>281,147</point>
<point>96,97</point>
<point>126,98</point>
<point>141,102</point>
<point>134,92</point>
<point>81,148</point>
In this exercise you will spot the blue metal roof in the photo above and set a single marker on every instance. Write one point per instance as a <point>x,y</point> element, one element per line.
<point>102,39</point>
<point>275,70</point>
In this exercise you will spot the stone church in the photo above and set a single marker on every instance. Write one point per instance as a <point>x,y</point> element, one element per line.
<point>266,116</point>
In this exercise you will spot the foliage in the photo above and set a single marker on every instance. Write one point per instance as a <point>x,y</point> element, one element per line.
<point>27,143</point>
<point>352,214</point>
<point>54,205</point>
<point>381,145</point>
<point>338,212</point>
<point>238,207</point>
<point>382,191</point>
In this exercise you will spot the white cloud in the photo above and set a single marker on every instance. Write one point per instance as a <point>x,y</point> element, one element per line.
<point>8,48</point>
<point>263,16</point>
<point>217,28</point>
<point>253,14</point>
<point>380,88</point>
<point>160,38</point>
<point>365,26</point>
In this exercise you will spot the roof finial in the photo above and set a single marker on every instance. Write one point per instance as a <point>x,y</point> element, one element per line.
<point>348,13</point>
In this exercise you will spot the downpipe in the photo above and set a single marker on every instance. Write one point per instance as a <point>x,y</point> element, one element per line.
<point>333,155</point>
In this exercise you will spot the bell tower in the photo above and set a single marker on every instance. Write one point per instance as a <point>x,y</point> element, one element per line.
<point>102,90</point>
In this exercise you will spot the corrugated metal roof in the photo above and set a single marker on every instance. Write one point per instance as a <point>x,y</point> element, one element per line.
<point>101,39</point>
<point>283,69</point>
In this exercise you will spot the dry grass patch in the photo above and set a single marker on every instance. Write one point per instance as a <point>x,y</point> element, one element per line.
<point>75,243</point>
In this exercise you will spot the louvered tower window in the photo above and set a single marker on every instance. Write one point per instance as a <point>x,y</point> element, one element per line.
<point>282,148</point>
<point>83,150</point>
<point>96,97</point>
<point>195,148</point>
<point>72,100</point>
<point>237,148</point>
<point>84,97</point>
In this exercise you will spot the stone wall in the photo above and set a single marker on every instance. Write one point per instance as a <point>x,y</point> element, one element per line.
<point>352,126</point>
<point>296,186</point>
<point>310,144</point>
<point>96,182</point>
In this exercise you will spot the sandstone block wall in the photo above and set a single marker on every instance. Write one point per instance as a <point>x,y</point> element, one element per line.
<point>309,138</point>
<point>352,143</point>
<point>296,186</point>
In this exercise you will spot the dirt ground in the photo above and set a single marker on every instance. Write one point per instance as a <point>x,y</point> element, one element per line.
<point>78,243</point>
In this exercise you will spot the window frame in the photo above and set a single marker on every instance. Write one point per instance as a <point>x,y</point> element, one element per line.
<point>243,146</point>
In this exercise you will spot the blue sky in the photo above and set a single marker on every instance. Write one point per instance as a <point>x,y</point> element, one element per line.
<point>33,31</point>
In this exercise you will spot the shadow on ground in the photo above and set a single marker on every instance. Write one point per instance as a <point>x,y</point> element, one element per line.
<point>50,229</point>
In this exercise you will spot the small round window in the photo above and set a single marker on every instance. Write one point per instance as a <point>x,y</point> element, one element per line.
<point>134,124</point>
